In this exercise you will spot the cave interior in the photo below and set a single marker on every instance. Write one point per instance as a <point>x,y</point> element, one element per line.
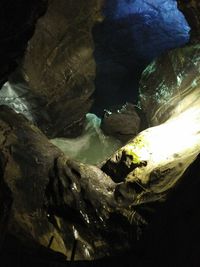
<point>99,133</point>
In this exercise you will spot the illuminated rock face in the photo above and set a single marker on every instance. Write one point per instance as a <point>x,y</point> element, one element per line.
<point>157,158</point>
<point>34,165</point>
<point>61,71</point>
<point>149,166</point>
<point>170,85</point>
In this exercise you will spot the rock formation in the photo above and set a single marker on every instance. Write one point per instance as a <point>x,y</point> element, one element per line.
<point>55,200</point>
<point>123,122</point>
<point>48,200</point>
<point>59,66</point>
<point>70,200</point>
<point>191,10</point>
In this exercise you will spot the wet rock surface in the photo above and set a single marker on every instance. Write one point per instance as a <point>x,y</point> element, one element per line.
<point>155,161</point>
<point>35,168</point>
<point>59,66</point>
<point>123,122</point>
<point>161,90</point>
<point>57,200</point>
<point>92,147</point>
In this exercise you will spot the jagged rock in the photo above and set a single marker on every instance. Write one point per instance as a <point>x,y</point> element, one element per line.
<point>152,163</point>
<point>59,66</point>
<point>57,200</point>
<point>62,189</point>
<point>48,189</point>
<point>123,123</point>
<point>48,47</point>
<point>26,174</point>
<point>161,91</point>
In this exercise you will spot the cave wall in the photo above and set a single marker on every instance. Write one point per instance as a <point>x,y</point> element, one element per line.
<point>59,66</point>
<point>72,40</point>
<point>191,10</point>
<point>162,92</point>
<point>17,20</point>
<point>132,34</point>
<point>29,156</point>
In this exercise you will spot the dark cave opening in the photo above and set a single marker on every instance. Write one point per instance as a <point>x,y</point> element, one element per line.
<point>132,34</point>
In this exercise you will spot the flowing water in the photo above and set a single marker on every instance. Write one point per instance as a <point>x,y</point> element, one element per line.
<point>92,146</point>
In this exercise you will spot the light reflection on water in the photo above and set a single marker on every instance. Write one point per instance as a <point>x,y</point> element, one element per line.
<point>92,146</point>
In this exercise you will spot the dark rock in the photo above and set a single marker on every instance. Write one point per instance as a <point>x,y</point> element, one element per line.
<point>191,10</point>
<point>55,199</point>
<point>174,229</point>
<point>17,20</point>
<point>5,204</point>
<point>123,123</point>
<point>120,165</point>
<point>50,190</point>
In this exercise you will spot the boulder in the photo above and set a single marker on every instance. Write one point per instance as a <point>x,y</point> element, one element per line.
<point>123,122</point>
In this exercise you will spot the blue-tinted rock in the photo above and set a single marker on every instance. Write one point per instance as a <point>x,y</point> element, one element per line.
<point>151,27</point>
<point>132,34</point>
<point>168,82</point>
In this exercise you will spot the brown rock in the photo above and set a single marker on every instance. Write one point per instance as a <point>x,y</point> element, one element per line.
<point>59,66</point>
<point>123,122</point>
<point>55,199</point>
